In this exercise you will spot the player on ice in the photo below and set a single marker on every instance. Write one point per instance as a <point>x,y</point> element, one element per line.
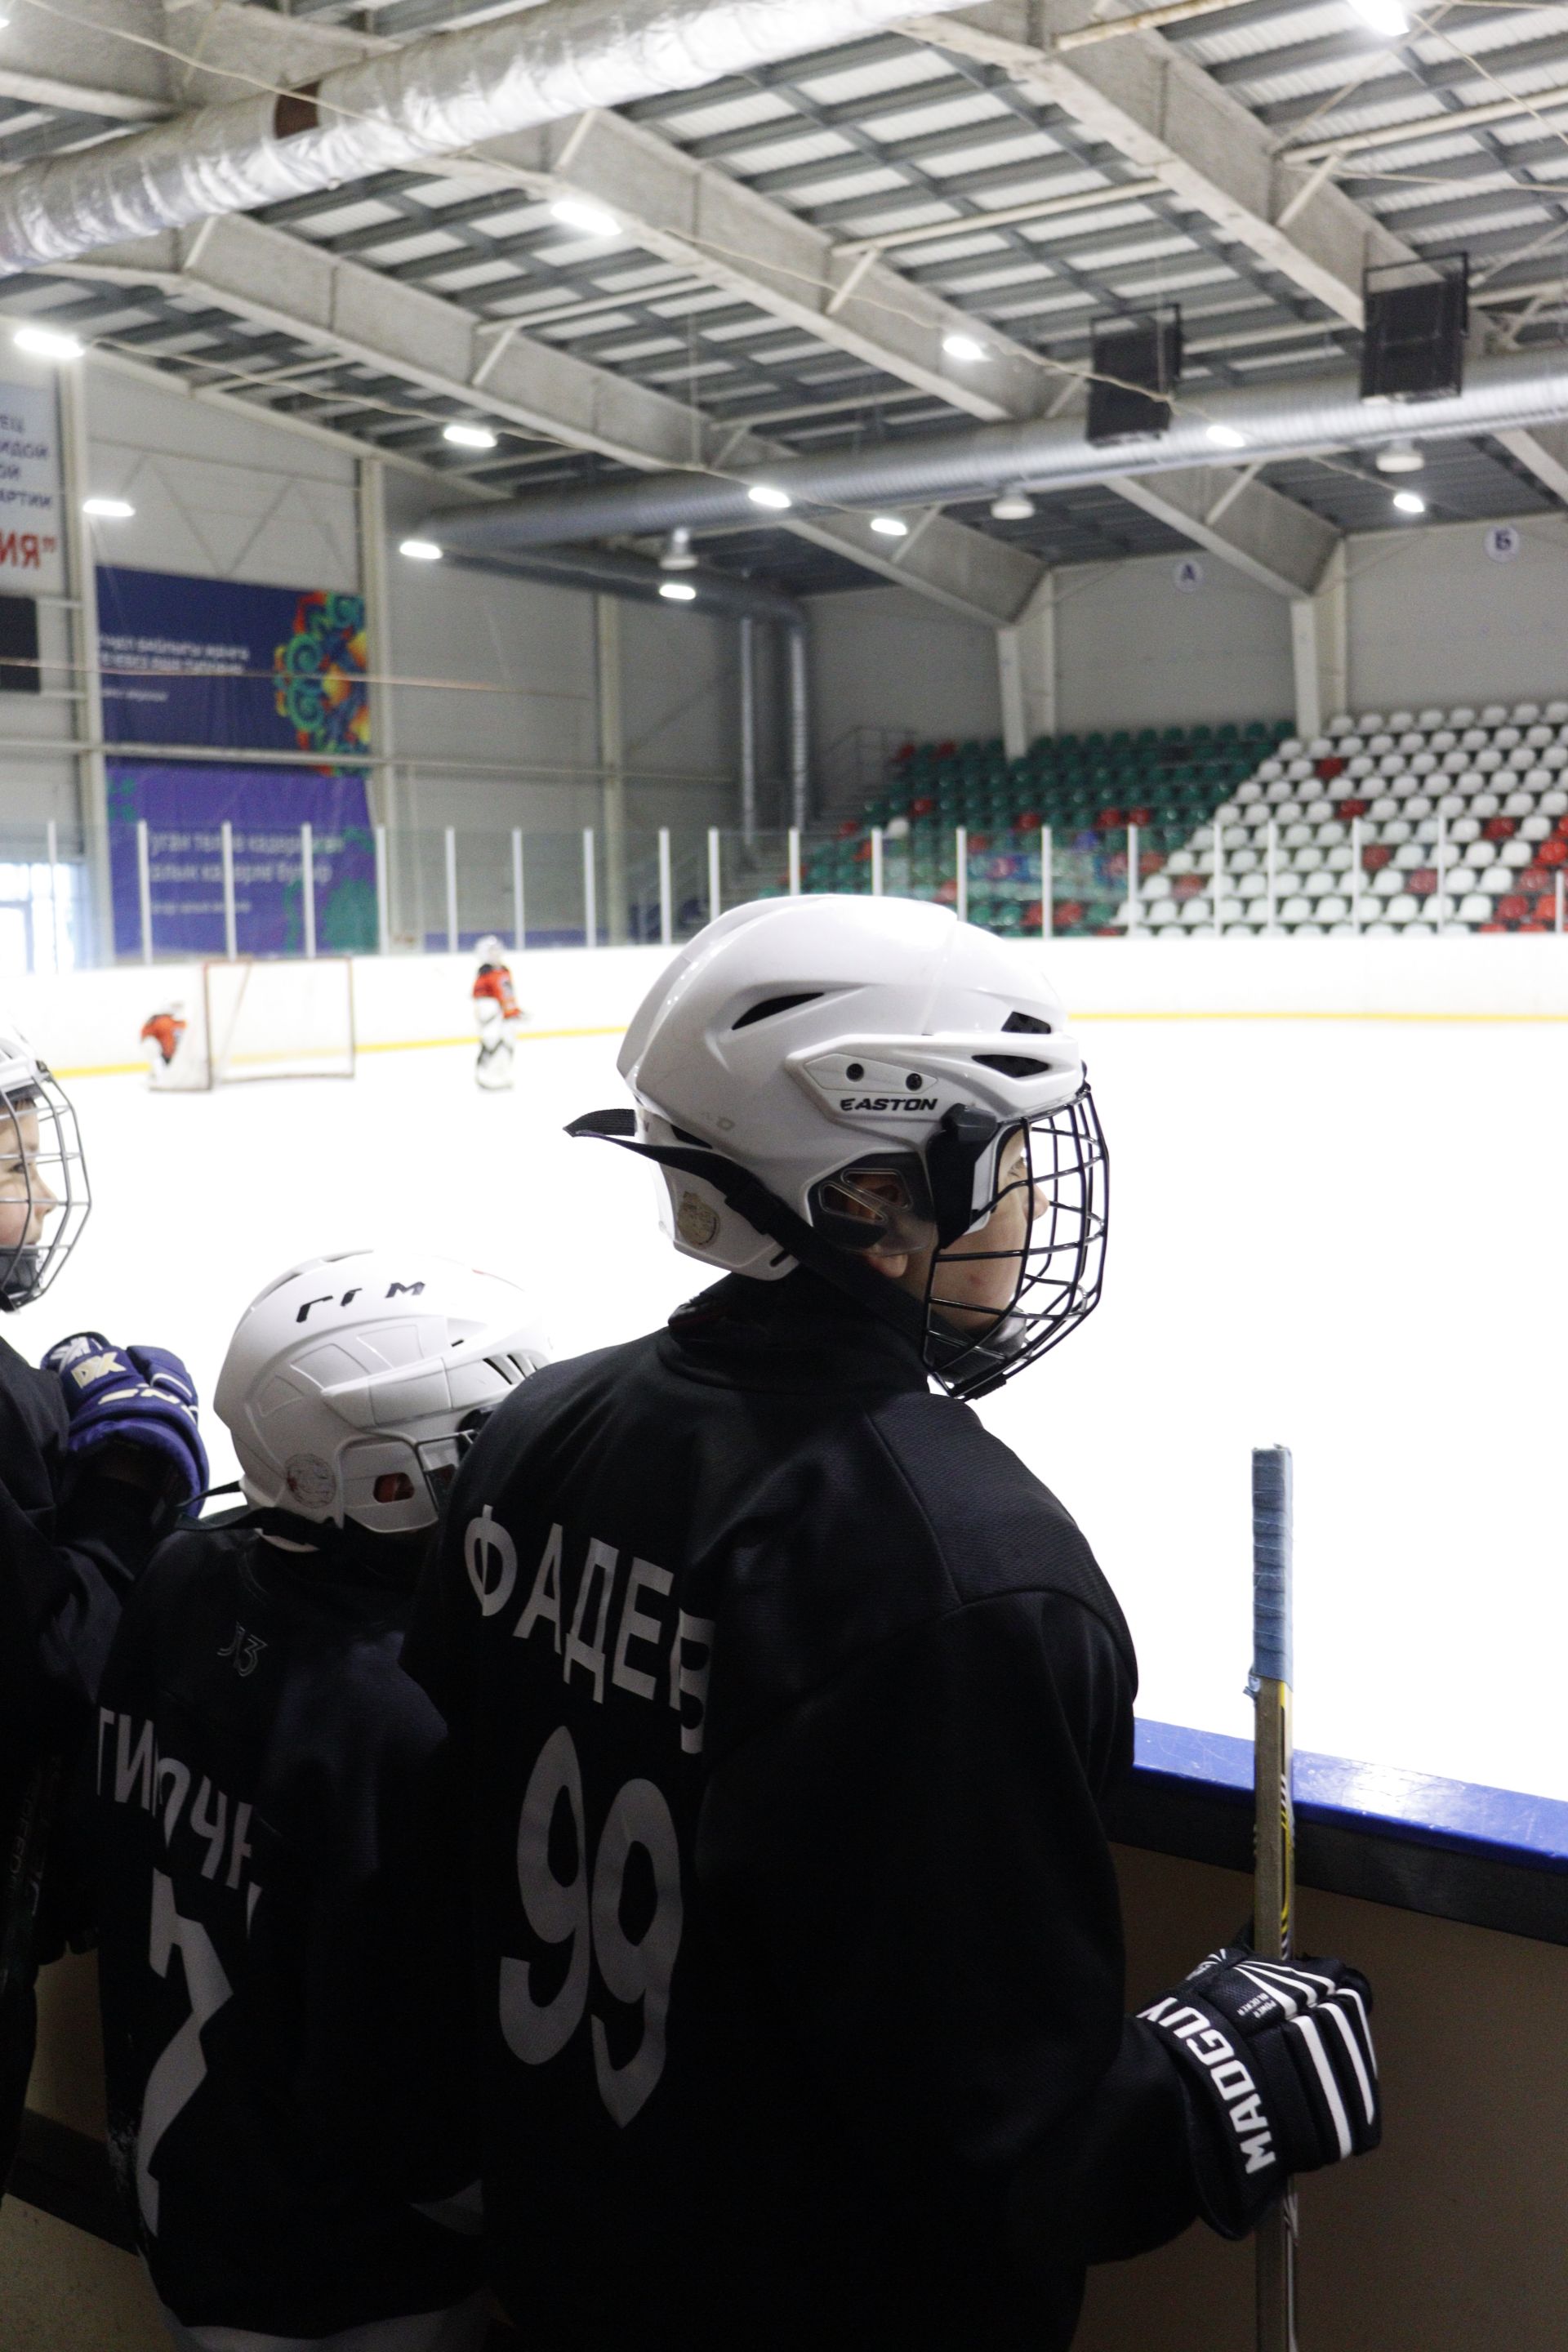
<point>162,1042</point>
<point>281,1959</point>
<point>785,1698</point>
<point>99,1448</point>
<point>499,1015</point>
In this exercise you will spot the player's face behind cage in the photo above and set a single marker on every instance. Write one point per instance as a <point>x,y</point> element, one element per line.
<point>1022,1277</point>
<point>43,1188</point>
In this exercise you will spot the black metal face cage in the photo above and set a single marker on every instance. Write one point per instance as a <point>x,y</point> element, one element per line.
<point>1058,1163</point>
<point>47,1177</point>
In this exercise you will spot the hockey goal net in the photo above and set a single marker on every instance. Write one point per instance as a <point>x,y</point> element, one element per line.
<point>285,1019</point>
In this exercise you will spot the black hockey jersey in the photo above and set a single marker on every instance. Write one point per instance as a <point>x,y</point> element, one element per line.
<point>782,1697</point>
<point>71,1547</point>
<point>282,1986</point>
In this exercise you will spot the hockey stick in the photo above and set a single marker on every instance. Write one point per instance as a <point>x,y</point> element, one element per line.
<point>1274,1867</point>
<point>24,1880</point>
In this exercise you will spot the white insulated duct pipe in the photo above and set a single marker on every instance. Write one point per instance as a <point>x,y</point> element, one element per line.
<point>434,97</point>
<point>1511,393</point>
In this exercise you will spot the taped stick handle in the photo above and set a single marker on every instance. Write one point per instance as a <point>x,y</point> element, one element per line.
<point>1272,1499</point>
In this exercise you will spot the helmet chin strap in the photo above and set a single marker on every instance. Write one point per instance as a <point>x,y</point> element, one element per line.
<point>751,1198</point>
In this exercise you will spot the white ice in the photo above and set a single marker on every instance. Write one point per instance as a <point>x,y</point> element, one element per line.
<point>1342,1236</point>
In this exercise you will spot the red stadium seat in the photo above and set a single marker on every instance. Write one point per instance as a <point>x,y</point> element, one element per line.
<point>1110,820</point>
<point>922,807</point>
<point>1140,816</point>
<point>1350,809</point>
<point>1513,909</point>
<point>1553,853</point>
<point>1375,857</point>
<point>1546,909</point>
<point>1330,768</point>
<point>1533,879</point>
<point>1424,881</point>
<point>1029,822</point>
<point>1068,913</point>
<point>1499,828</point>
<point>1189,886</point>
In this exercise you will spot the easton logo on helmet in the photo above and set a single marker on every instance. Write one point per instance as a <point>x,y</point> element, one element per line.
<point>887,1102</point>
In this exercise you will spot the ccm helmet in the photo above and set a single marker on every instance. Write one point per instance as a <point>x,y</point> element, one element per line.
<point>44,1194</point>
<point>827,1080</point>
<point>355,1385</point>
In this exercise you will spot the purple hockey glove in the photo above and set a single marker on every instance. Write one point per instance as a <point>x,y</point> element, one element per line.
<point>131,1396</point>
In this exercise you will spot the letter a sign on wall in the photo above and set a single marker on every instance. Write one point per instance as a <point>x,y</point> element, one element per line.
<point>32,553</point>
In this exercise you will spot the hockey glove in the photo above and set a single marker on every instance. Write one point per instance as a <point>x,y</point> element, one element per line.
<point>141,1397</point>
<point>1281,2072</point>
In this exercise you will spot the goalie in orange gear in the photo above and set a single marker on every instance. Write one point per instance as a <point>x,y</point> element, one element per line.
<point>163,1035</point>
<point>497,1013</point>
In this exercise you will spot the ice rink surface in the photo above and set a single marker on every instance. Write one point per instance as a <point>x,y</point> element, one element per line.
<point>1346,1236</point>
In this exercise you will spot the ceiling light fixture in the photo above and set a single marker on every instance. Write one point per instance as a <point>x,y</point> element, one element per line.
<point>964,347</point>
<point>1226,436</point>
<point>110,509</point>
<point>47,343</point>
<point>677,592</point>
<point>1384,16</point>
<point>420,550</point>
<point>469,437</point>
<point>677,555</point>
<point>582,213</point>
<point>1409,502</point>
<point>1399,458</point>
<point>1013,506</point>
<point>766,493</point>
<point>890,526</point>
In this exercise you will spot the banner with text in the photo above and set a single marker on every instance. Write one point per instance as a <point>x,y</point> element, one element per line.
<point>227,664</point>
<point>185,808</point>
<point>32,549</point>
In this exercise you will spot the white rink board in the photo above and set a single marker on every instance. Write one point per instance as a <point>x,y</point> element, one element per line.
<point>1336,1233</point>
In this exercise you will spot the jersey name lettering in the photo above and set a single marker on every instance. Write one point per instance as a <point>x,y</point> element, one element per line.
<point>605,1621</point>
<point>161,1784</point>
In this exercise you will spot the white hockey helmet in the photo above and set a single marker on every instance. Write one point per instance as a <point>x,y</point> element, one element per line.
<point>355,1384</point>
<point>44,1192</point>
<point>491,949</point>
<point>798,1043</point>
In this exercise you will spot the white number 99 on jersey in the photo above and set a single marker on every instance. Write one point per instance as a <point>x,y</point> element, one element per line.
<point>583,1913</point>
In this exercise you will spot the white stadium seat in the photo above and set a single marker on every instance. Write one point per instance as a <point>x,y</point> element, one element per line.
<point>1521,759</point>
<point>1474,739</point>
<point>1555,713</point>
<point>1453,763</point>
<point>1429,719</point>
<point>1489,761</point>
<point>1417,806</point>
<point>1393,829</point>
<point>1524,713</point>
<point>1505,738</point>
<point>1379,931</point>
<point>1464,828</point>
<point>1553,803</point>
<point>1475,909</point>
<point>1333,910</point>
<point>1195,911</point>
<point>1494,715</point>
<point>1409,857</point>
<point>1387,883</point>
<point>1461,715</point>
<point>1296,909</point>
<point>1451,805</point>
<point>1414,745</point>
<point>1342,723</point>
<point>1397,719</point>
<point>1485,804</point>
<point>1496,880</point>
<point>1520,804</point>
<point>1516,853</point>
<point>1538,737</point>
<point>1402,910</point>
<point>1372,722</point>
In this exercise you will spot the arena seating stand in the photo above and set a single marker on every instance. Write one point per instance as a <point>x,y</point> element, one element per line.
<point>1484,792</point>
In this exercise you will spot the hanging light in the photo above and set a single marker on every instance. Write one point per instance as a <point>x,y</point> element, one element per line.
<point>469,437</point>
<point>964,348</point>
<point>1013,506</point>
<point>583,213</point>
<point>1399,458</point>
<point>1226,436</point>
<point>420,550</point>
<point>47,343</point>
<point>767,494</point>
<point>677,592</point>
<point>1384,16</point>
<point>109,509</point>
<point>677,555</point>
<point>1410,502</point>
<point>890,526</point>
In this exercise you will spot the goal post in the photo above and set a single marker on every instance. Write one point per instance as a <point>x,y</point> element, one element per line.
<point>278,1018</point>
